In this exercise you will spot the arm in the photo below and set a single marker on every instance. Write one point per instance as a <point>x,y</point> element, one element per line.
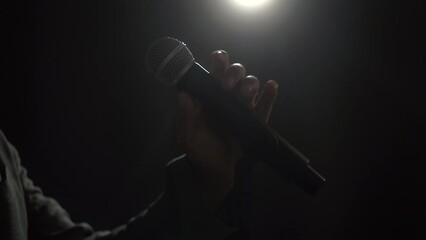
<point>179,205</point>
<point>46,217</point>
<point>24,207</point>
<point>198,184</point>
<point>211,148</point>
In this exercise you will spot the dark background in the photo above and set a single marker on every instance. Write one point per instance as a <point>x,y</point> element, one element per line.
<point>95,130</point>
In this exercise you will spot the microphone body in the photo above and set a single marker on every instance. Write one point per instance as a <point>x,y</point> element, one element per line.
<point>173,64</point>
<point>258,140</point>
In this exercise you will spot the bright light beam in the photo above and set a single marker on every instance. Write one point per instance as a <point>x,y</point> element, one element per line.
<point>251,3</point>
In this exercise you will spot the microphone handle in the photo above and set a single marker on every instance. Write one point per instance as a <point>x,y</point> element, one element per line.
<point>258,140</point>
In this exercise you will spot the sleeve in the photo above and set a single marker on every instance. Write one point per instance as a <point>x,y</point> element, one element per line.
<point>178,213</point>
<point>27,207</point>
<point>46,217</point>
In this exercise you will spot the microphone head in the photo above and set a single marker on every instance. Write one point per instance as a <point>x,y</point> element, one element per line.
<point>168,59</point>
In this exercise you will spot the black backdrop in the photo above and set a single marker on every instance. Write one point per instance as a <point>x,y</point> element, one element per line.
<point>95,130</point>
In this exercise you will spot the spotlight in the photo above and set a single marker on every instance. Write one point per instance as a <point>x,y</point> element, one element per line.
<point>250,3</point>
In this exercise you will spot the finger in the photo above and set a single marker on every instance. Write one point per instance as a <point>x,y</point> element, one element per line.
<point>266,100</point>
<point>249,88</point>
<point>220,62</point>
<point>233,74</point>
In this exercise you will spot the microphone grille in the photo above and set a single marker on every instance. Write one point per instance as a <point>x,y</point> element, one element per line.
<point>168,59</point>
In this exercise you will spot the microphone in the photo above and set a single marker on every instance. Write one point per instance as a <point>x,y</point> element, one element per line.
<point>171,62</point>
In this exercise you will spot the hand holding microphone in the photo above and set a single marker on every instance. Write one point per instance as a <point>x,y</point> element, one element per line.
<point>209,146</point>
<point>242,120</point>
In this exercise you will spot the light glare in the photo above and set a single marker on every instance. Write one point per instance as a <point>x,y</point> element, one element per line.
<point>250,3</point>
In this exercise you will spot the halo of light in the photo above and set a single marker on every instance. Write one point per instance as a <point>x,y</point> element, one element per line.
<point>250,3</point>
